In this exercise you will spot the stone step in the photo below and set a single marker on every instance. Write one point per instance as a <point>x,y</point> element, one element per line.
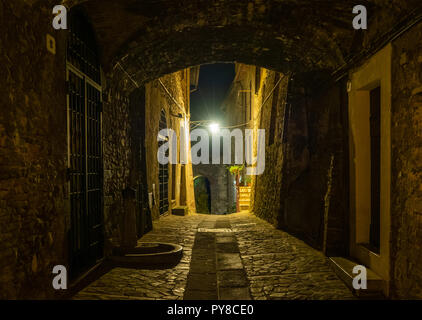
<point>343,267</point>
<point>180,211</point>
<point>244,197</point>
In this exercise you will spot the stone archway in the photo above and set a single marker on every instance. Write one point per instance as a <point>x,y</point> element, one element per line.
<point>202,194</point>
<point>152,38</point>
<point>158,37</point>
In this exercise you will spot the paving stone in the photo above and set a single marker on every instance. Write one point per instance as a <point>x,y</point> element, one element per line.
<point>201,295</point>
<point>234,293</point>
<point>224,239</point>
<point>202,281</point>
<point>269,264</point>
<point>232,278</point>
<point>205,266</point>
<point>228,261</point>
<point>228,247</point>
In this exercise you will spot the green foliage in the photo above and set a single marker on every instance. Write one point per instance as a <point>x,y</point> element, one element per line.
<point>235,170</point>
<point>248,180</point>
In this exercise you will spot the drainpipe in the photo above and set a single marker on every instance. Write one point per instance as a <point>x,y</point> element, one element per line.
<point>237,193</point>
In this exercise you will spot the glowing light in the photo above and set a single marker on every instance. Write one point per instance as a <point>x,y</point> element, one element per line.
<point>214,127</point>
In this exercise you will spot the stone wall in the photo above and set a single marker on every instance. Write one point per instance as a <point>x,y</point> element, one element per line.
<point>266,195</point>
<point>34,201</point>
<point>34,205</point>
<point>266,188</point>
<point>116,154</point>
<point>33,151</point>
<point>312,181</point>
<point>406,144</point>
<point>324,211</point>
<point>304,186</point>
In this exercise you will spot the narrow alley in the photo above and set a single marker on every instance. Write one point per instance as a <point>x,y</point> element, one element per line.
<point>222,261</point>
<point>210,150</point>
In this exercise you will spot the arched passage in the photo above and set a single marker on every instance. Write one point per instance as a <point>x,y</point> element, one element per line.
<point>140,41</point>
<point>202,194</point>
<point>161,37</point>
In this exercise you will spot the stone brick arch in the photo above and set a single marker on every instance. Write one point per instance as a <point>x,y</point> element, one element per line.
<point>152,38</point>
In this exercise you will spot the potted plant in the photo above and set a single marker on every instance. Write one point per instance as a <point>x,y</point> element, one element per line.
<point>237,171</point>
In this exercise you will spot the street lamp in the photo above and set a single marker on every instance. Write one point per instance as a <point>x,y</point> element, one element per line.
<point>214,127</point>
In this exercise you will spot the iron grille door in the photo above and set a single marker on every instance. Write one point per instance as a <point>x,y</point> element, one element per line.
<point>163,178</point>
<point>85,169</point>
<point>94,173</point>
<point>85,173</point>
<point>77,169</point>
<point>163,175</point>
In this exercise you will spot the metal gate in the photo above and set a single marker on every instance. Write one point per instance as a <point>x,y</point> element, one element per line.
<point>163,175</point>
<point>85,169</point>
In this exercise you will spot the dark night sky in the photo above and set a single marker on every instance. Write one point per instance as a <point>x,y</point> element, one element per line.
<point>214,82</point>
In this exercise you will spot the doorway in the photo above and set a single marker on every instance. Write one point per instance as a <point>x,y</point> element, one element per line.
<point>375,128</point>
<point>370,163</point>
<point>202,194</point>
<point>85,159</point>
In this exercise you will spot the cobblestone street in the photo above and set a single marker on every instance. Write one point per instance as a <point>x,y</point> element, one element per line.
<point>235,256</point>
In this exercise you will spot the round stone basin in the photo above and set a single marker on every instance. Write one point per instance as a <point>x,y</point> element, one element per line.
<point>149,254</point>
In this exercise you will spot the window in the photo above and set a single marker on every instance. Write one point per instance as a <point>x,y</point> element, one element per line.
<point>163,175</point>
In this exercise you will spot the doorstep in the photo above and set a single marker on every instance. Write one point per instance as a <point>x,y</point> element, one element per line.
<point>343,267</point>
<point>180,211</point>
